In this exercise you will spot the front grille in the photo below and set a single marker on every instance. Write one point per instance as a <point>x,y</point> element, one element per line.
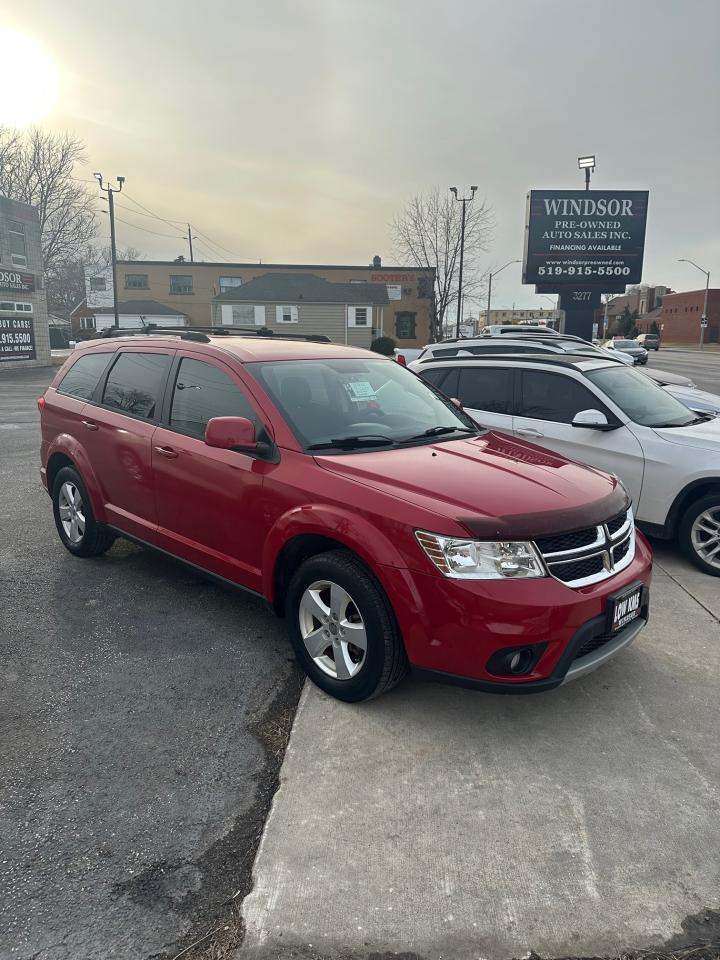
<point>592,644</point>
<point>577,569</point>
<point>617,523</point>
<point>592,554</point>
<point>568,541</point>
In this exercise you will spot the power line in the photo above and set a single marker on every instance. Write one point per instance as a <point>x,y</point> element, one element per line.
<point>170,236</point>
<point>164,220</point>
<point>221,247</point>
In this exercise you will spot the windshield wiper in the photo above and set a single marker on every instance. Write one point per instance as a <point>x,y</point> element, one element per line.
<point>438,431</point>
<point>351,443</point>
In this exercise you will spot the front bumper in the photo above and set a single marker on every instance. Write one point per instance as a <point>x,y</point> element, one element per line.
<point>451,628</point>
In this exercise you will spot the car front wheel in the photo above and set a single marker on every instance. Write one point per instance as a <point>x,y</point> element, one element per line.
<point>699,533</point>
<point>342,628</point>
<point>74,518</point>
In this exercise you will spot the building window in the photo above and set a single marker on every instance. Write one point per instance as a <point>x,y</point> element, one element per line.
<point>87,323</point>
<point>405,325</point>
<point>136,281</point>
<point>98,283</point>
<point>229,283</point>
<point>181,284</point>
<point>12,306</point>
<point>245,314</point>
<point>18,250</point>
<point>394,291</point>
<point>359,316</point>
<point>286,314</point>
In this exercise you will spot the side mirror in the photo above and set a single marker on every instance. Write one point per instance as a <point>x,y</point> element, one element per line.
<point>457,403</point>
<point>231,433</point>
<point>592,420</point>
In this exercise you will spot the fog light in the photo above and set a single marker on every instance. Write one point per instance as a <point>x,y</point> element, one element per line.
<point>515,661</point>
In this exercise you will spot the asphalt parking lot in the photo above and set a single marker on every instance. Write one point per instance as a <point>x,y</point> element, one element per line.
<point>143,714</point>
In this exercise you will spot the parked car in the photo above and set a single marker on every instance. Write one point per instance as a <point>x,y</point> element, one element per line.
<point>356,500</point>
<point>651,341</point>
<point>630,348</point>
<point>492,346</point>
<point>501,329</point>
<point>698,400</point>
<point>405,355</point>
<point>613,417</point>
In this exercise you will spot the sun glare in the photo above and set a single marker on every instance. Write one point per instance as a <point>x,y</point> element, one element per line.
<point>29,86</point>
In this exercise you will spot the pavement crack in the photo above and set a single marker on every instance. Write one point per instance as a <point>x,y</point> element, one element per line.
<point>689,593</point>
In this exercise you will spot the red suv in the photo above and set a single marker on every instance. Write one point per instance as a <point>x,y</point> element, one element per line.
<point>383,523</point>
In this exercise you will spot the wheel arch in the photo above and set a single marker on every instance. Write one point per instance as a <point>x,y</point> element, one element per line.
<point>65,451</point>
<point>693,491</point>
<point>309,531</point>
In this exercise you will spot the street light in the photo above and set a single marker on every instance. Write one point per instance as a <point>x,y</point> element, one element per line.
<point>588,165</point>
<point>462,200</point>
<point>490,277</point>
<point>703,319</point>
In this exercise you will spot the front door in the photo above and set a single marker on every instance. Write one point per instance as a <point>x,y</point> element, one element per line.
<point>486,394</point>
<point>209,501</point>
<point>548,403</point>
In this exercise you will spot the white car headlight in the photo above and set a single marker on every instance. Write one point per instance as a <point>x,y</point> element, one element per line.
<point>480,559</point>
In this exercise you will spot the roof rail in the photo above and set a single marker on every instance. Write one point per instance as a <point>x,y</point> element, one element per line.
<point>202,334</point>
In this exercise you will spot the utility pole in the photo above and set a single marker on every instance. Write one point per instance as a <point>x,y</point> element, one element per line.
<point>703,319</point>
<point>110,190</point>
<point>464,201</point>
<point>190,240</point>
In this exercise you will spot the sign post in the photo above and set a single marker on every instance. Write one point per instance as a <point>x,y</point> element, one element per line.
<point>582,243</point>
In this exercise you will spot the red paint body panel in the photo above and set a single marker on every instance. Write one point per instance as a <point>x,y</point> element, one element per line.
<point>233,514</point>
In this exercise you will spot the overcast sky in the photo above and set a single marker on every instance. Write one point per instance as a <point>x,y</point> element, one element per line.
<point>293,130</point>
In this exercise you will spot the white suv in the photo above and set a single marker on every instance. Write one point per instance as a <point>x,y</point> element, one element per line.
<point>609,416</point>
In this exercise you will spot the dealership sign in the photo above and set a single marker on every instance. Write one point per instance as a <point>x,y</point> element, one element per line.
<point>17,340</point>
<point>16,281</point>
<point>589,238</point>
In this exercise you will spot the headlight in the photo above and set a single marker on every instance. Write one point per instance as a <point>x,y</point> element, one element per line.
<point>481,560</point>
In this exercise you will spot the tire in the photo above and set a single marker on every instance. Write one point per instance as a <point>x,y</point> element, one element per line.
<point>700,524</point>
<point>80,533</point>
<point>330,596</point>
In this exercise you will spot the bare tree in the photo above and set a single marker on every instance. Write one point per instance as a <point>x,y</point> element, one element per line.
<point>66,282</point>
<point>427,234</point>
<point>38,168</point>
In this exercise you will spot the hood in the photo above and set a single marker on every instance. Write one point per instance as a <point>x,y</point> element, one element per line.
<point>705,435</point>
<point>665,378</point>
<point>494,485</point>
<point>699,400</point>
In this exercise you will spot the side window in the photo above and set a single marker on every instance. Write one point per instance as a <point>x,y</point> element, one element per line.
<point>135,383</point>
<point>82,377</point>
<point>203,391</point>
<point>487,388</point>
<point>444,378</point>
<point>550,396</point>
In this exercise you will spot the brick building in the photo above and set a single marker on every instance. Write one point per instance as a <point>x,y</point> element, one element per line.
<point>402,310</point>
<point>24,334</point>
<point>681,313</point>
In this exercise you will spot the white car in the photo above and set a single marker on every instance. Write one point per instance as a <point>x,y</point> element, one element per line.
<point>612,417</point>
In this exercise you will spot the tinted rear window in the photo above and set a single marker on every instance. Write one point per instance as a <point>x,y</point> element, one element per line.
<point>487,388</point>
<point>135,383</point>
<point>82,377</point>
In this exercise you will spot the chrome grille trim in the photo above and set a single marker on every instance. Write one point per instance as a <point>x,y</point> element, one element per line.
<point>609,542</point>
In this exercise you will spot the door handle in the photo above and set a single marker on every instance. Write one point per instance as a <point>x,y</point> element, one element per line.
<point>529,432</point>
<point>89,424</point>
<point>167,452</point>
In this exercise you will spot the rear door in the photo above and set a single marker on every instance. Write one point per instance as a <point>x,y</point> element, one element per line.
<point>486,394</point>
<point>547,405</point>
<point>209,501</point>
<point>118,427</point>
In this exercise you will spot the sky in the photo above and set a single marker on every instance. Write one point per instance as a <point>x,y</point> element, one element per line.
<point>293,131</point>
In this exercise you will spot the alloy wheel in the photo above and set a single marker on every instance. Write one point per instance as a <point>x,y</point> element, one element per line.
<point>705,536</point>
<point>72,512</point>
<point>333,629</point>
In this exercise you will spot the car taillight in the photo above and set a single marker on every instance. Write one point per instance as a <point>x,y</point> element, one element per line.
<point>401,360</point>
<point>41,404</point>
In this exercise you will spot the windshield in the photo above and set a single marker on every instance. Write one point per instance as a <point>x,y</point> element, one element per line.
<point>625,344</point>
<point>339,404</point>
<point>642,400</point>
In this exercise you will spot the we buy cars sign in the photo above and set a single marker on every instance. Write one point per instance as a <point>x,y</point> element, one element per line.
<point>585,237</point>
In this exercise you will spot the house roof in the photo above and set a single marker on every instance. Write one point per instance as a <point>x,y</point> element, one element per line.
<point>152,307</point>
<point>305,287</point>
